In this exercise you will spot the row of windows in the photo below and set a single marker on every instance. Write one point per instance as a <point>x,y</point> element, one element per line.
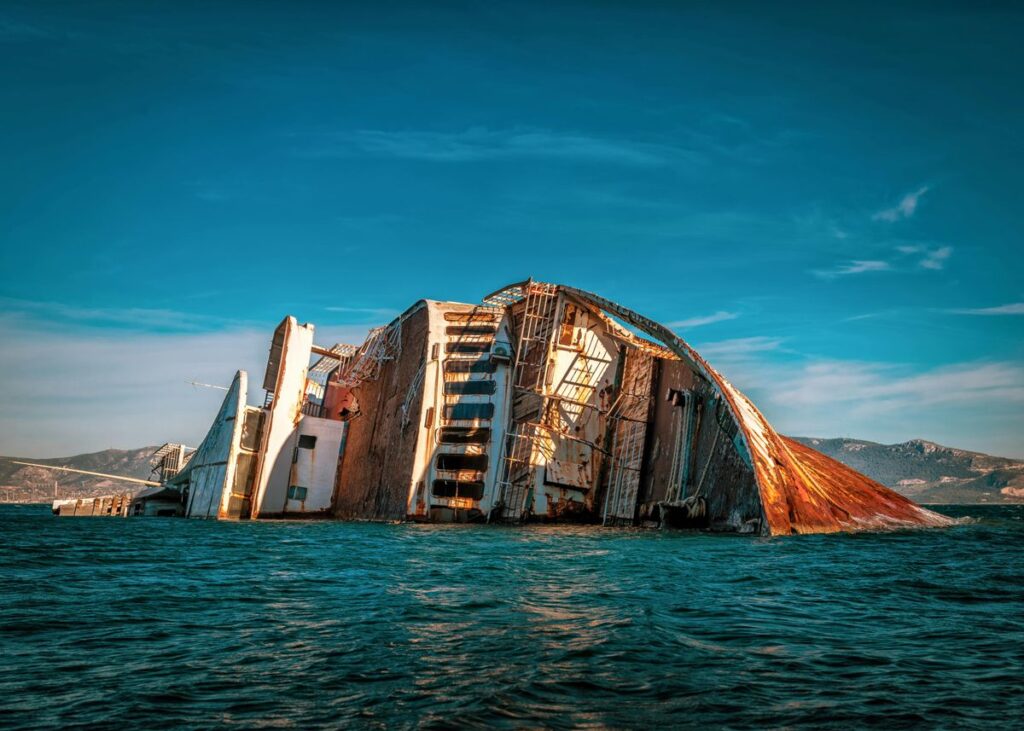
<point>470,388</point>
<point>464,435</point>
<point>456,488</point>
<point>480,365</point>
<point>471,489</point>
<point>458,462</point>
<point>458,411</point>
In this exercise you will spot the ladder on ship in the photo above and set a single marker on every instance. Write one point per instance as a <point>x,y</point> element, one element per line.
<point>575,392</point>
<point>536,323</point>
<point>383,343</point>
<point>628,424</point>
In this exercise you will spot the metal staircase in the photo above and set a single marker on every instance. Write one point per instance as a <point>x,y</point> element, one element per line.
<point>574,394</point>
<point>319,373</point>
<point>534,325</point>
<point>383,343</point>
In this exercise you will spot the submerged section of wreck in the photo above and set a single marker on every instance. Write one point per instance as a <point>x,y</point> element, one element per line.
<point>540,404</point>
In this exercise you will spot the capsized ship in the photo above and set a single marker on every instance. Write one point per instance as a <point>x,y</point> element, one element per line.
<point>543,403</point>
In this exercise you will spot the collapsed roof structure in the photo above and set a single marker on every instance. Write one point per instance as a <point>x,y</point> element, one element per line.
<point>541,403</point>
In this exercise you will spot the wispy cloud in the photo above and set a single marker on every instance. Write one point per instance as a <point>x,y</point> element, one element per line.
<point>211,192</point>
<point>373,313</point>
<point>974,404</point>
<point>863,316</point>
<point>927,257</point>
<point>720,316</point>
<point>1014,308</point>
<point>739,347</point>
<point>69,388</point>
<point>12,30</point>
<point>481,143</point>
<point>904,209</point>
<point>857,266</point>
<point>879,388</point>
<point>936,258</point>
<point>127,317</point>
<point>125,388</point>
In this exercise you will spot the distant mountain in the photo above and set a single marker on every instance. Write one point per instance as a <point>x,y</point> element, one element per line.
<point>929,472</point>
<point>35,484</point>
<point>924,471</point>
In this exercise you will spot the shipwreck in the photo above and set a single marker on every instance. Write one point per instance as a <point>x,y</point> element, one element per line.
<point>542,403</point>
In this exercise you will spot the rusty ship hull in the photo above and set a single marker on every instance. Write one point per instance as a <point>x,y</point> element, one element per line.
<point>541,403</point>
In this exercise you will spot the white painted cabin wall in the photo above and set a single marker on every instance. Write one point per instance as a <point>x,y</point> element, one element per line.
<point>315,469</point>
<point>280,425</point>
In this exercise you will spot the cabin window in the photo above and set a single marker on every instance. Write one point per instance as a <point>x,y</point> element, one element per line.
<point>296,493</point>
<point>456,488</point>
<point>473,316</point>
<point>464,435</point>
<point>468,348</point>
<point>251,429</point>
<point>470,388</point>
<point>457,462</point>
<point>483,365</point>
<point>470,330</point>
<point>568,325</point>
<point>468,411</point>
<point>306,441</point>
<point>239,507</point>
<point>244,474</point>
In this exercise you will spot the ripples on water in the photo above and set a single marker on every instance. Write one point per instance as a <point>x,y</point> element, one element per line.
<point>151,623</point>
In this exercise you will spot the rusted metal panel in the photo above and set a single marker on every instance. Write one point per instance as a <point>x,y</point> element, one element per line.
<point>801,491</point>
<point>628,425</point>
<point>527,408</point>
<point>379,459</point>
<point>274,359</point>
<point>578,474</point>
<point>852,499</point>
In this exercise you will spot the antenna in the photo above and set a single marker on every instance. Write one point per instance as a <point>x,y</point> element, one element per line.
<point>207,385</point>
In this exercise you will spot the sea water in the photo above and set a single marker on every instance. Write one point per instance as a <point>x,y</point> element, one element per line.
<point>169,623</point>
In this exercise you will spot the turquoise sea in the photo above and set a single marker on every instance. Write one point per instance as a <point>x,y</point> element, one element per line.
<point>170,623</point>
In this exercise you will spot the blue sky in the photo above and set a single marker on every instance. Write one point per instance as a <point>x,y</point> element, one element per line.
<point>824,200</point>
